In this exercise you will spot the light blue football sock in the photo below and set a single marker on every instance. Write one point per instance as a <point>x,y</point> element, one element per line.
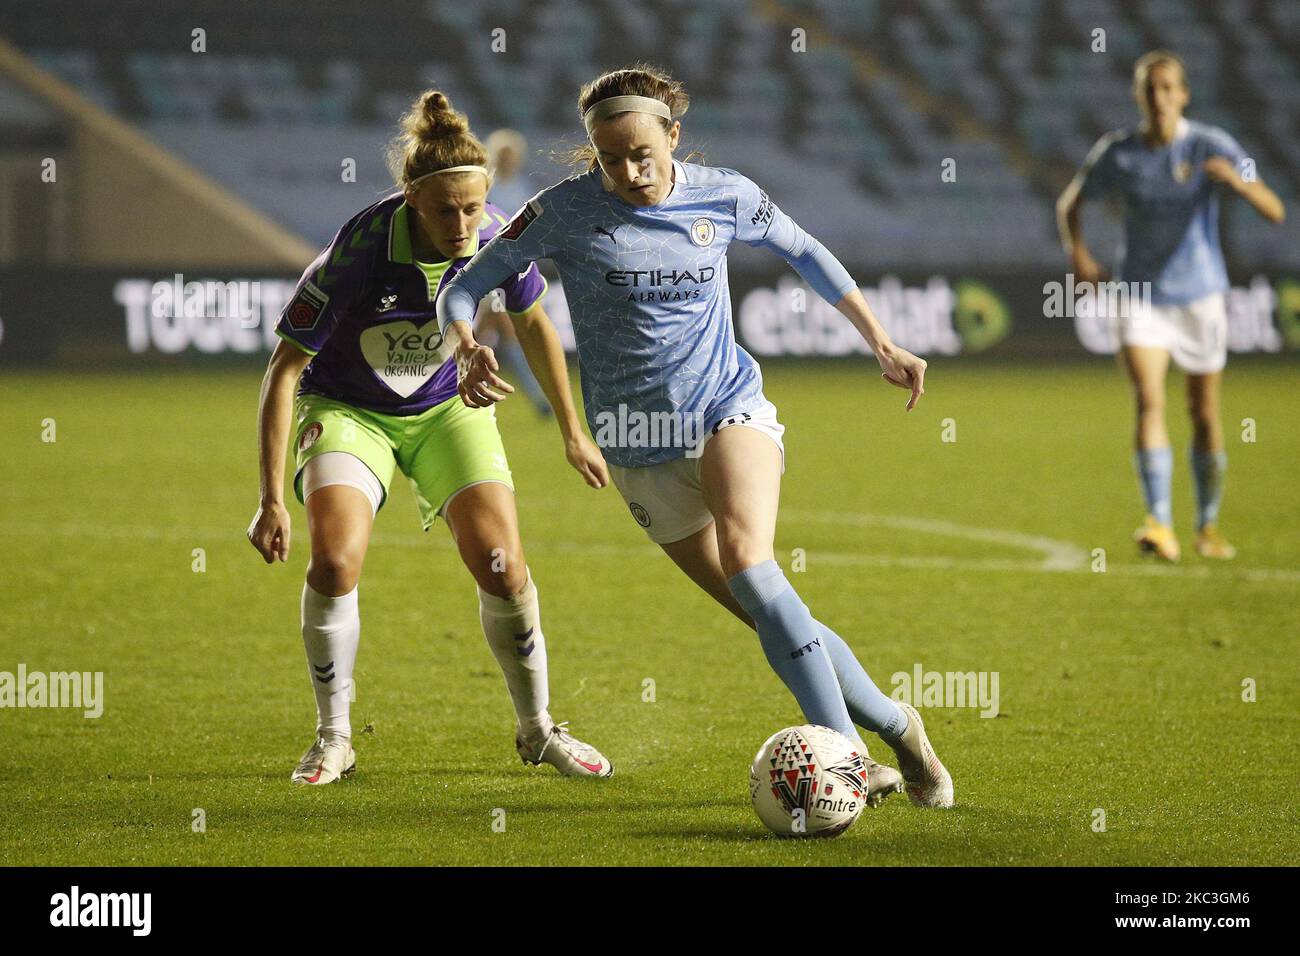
<point>1155,468</point>
<point>867,704</point>
<point>793,644</point>
<point>1208,468</point>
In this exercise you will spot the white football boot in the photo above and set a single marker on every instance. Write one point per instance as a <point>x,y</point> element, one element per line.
<point>325,762</point>
<point>566,753</point>
<point>928,782</point>
<point>882,780</point>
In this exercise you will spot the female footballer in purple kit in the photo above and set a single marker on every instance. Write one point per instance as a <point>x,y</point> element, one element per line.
<point>378,392</point>
<point>640,240</point>
<point>1169,173</point>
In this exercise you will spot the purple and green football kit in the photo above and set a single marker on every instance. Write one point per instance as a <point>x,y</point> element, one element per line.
<point>381,384</point>
<point>364,311</point>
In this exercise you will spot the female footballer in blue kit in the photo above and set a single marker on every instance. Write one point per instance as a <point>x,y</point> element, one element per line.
<point>640,242</point>
<point>379,392</point>
<point>1169,173</point>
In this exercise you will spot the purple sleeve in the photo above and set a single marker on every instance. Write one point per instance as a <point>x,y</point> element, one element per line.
<point>523,290</point>
<point>328,286</point>
<point>510,252</point>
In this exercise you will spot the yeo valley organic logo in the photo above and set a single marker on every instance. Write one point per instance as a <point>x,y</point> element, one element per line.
<point>403,356</point>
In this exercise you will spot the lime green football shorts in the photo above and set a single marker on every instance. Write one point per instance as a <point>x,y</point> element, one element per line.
<point>440,450</point>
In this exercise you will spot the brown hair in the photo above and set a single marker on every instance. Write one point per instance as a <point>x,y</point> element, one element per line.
<point>433,136</point>
<point>1147,61</point>
<point>639,79</point>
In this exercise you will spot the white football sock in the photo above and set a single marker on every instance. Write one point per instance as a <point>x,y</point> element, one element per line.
<point>331,631</point>
<point>513,628</point>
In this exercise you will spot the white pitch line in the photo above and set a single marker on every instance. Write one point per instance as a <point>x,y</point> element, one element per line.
<point>1055,556</point>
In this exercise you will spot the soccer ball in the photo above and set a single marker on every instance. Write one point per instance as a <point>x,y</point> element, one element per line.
<point>808,781</point>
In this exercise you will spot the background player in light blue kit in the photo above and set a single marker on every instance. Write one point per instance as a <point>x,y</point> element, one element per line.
<point>640,241</point>
<point>1168,173</point>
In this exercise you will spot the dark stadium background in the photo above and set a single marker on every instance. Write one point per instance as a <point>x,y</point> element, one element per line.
<point>227,164</point>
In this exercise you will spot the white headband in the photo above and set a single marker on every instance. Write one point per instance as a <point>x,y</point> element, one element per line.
<point>623,104</point>
<point>450,169</point>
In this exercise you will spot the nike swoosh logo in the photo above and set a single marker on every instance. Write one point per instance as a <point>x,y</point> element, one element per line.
<point>316,776</point>
<point>593,767</point>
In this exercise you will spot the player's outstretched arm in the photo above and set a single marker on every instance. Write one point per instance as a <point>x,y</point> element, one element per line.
<point>541,345</point>
<point>760,222</point>
<point>1097,178</point>
<point>1069,224</point>
<point>477,382</point>
<point>269,532</point>
<point>898,366</point>
<point>1262,199</point>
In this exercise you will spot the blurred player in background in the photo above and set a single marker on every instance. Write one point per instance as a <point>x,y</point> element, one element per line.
<point>379,392</point>
<point>1168,173</point>
<point>512,185</point>
<point>511,188</point>
<point>640,240</point>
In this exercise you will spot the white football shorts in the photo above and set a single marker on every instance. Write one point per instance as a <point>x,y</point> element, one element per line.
<point>667,500</point>
<point>1195,334</point>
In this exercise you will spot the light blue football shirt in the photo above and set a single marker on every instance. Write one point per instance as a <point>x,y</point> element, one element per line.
<point>647,292</point>
<point>1171,208</point>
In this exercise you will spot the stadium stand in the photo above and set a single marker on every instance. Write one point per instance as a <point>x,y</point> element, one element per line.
<point>890,89</point>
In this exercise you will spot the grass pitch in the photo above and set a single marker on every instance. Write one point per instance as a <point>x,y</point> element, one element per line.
<point>1120,691</point>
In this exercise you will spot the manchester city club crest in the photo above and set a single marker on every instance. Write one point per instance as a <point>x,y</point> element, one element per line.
<point>1182,172</point>
<point>702,231</point>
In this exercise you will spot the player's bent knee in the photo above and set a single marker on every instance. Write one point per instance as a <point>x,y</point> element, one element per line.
<point>492,553</point>
<point>738,554</point>
<point>494,556</point>
<point>333,573</point>
<point>503,583</point>
<point>1150,402</point>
